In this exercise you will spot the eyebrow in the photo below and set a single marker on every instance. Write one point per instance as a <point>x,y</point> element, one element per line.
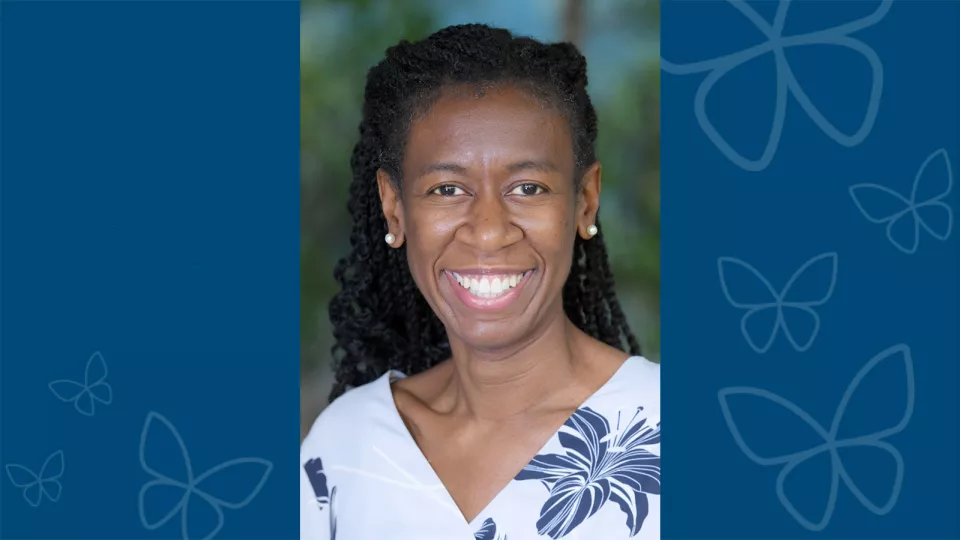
<point>443,167</point>
<point>536,165</point>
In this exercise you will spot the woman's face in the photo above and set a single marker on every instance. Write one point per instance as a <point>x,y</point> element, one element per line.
<point>489,211</point>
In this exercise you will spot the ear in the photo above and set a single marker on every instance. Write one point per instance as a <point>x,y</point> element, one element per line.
<point>392,205</point>
<point>588,200</point>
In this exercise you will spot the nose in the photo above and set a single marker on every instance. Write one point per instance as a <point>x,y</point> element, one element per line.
<point>489,226</point>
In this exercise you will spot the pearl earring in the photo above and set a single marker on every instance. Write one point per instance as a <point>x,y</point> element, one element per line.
<point>390,238</point>
<point>592,230</point>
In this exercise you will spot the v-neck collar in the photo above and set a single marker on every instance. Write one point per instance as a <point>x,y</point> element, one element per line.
<point>387,379</point>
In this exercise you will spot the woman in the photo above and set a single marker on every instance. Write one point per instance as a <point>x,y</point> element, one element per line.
<point>476,328</point>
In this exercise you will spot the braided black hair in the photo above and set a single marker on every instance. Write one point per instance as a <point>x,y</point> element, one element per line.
<point>380,319</point>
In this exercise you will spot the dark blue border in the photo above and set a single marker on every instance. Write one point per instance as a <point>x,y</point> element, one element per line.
<point>149,227</point>
<point>809,157</point>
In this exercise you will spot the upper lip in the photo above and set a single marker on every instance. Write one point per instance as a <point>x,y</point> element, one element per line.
<point>487,271</point>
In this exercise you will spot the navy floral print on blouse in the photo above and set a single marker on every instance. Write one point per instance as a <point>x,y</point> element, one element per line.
<point>318,480</point>
<point>597,466</point>
<point>596,478</point>
<point>488,531</point>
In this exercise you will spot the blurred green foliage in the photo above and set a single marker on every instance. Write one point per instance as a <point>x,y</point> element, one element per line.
<point>341,39</point>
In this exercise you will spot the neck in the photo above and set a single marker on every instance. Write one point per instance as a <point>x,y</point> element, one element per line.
<point>499,384</point>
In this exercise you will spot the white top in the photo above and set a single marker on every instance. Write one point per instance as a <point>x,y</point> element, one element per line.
<point>363,476</point>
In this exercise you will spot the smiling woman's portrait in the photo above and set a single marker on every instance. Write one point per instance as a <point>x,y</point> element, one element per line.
<point>486,382</point>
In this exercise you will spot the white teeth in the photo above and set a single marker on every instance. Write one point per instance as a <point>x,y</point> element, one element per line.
<point>487,286</point>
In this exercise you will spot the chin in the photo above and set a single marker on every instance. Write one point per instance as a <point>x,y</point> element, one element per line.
<point>489,335</point>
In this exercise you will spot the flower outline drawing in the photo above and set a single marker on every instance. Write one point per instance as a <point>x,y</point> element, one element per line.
<point>831,443</point>
<point>908,208</point>
<point>192,485</point>
<point>37,486</point>
<point>778,301</point>
<point>94,388</point>
<point>786,82</point>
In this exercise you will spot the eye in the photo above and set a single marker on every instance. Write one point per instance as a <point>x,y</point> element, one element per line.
<point>447,190</point>
<point>528,190</point>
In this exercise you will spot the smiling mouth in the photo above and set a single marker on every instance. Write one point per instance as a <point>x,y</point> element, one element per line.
<point>490,286</point>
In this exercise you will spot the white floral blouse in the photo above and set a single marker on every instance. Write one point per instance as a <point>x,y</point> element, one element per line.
<point>363,477</point>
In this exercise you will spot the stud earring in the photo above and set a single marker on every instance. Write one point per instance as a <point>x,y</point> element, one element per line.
<point>592,230</point>
<point>390,238</point>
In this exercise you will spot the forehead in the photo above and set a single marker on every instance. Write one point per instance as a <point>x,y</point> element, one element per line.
<point>504,125</point>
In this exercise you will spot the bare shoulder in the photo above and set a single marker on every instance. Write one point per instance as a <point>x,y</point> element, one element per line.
<point>413,394</point>
<point>602,357</point>
<point>605,361</point>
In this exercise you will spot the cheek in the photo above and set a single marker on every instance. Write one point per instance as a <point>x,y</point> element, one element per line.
<point>430,228</point>
<point>550,232</point>
<point>427,232</point>
<point>549,229</point>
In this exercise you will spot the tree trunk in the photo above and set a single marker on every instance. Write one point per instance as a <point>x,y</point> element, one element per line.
<point>573,21</point>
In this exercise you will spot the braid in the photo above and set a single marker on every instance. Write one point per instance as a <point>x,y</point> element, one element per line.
<point>380,319</point>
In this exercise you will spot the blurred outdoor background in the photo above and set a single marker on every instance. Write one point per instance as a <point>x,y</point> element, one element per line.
<point>341,39</point>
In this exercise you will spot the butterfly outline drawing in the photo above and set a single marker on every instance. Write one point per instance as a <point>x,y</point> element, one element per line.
<point>830,443</point>
<point>192,485</point>
<point>910,208</point>
<point>779,301</point>
<point>786,81</point>
<point>93,389</point>
<point>37,486</point>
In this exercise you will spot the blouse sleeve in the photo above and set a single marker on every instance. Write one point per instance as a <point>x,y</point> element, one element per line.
<point>315,521</point>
